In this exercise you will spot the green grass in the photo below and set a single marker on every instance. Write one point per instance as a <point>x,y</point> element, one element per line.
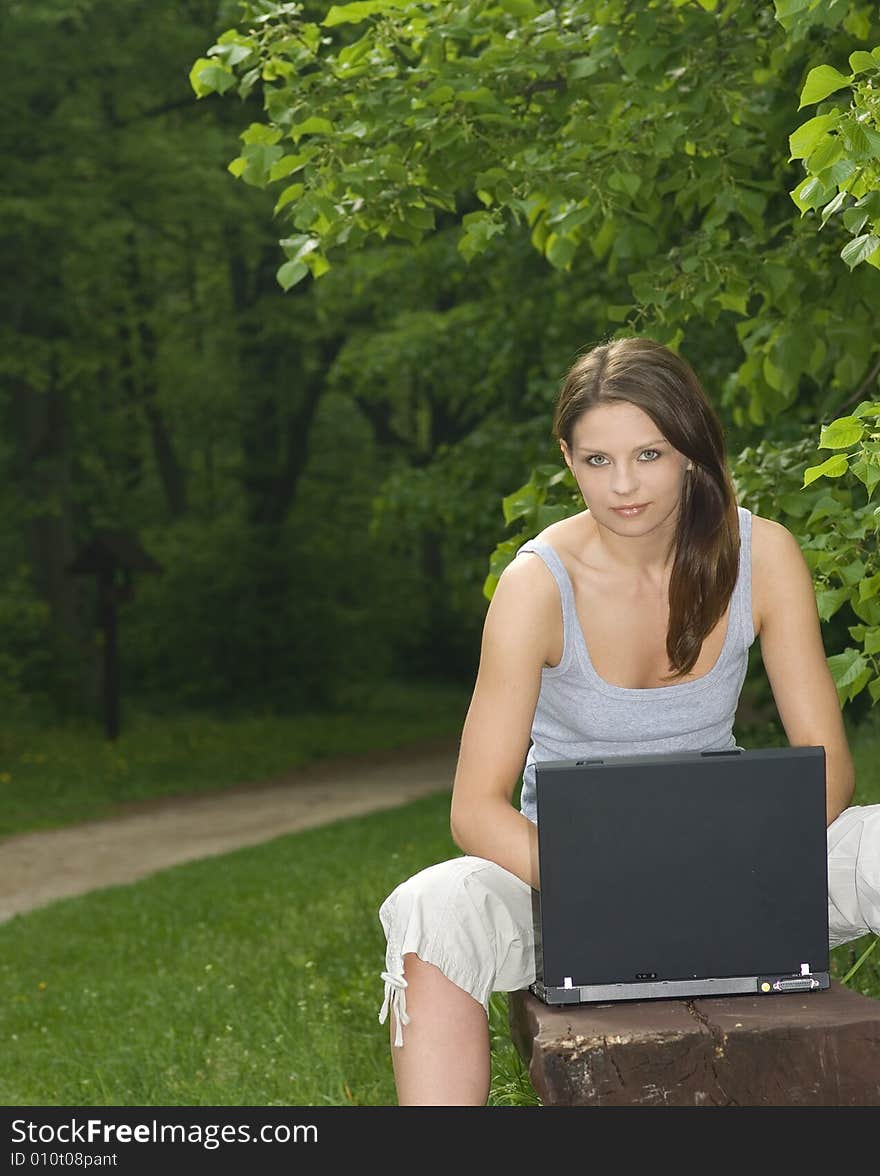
<point>62,775</point>
<point>250,979</point>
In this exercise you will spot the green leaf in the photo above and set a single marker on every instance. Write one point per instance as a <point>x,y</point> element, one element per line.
<point>503,554</point>
<point>804,140</point>
<point>785,9</point>
<point>299,247</point>
<point>872,640</point>
<point>854,219</point>
<point>350,55</point>
<point>259,158</point>
<point>822,81</point>
<point>867,408</point>
<point>232,54</point>
<point>479,229</point>
<point>811,193</point>
<point>841,433</point>
<point>829,600</point>
<point>523,8</point>
<point>560,251</point>
<point>836,174</point>
<point>521,502</point>
<point>286,166</point>
<point>860,249</point>
<point>291,192</point>
<point>834,467</point>
<point>846,668</point>
<point>546,515</point>
<point>627,182</point>
<point>860,61</point>
<point>260,133</point>
<point>833,206</point>
<point>354,13</point>
<point>867,610</point>
<point>828,151</point>
<point>209,77</point>
<point>311,126</point>
<point>581,67</point>
<point>852,572</point>
<point>825,507</point>
<point>290,273</point>
<point>868,588</point>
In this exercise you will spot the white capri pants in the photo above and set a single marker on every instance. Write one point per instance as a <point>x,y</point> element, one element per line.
<point>472,919</point>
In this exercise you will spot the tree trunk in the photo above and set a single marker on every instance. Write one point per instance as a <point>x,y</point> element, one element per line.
<point>44,476</point>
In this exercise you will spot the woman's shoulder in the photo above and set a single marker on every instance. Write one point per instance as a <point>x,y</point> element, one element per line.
<point>771,540</point>
<point>776,561</point>
<point>524,612</point>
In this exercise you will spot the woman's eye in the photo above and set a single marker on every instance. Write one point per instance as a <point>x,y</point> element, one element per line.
<point>598,459</point>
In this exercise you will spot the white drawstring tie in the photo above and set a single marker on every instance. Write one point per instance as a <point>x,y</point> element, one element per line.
<point>395,1001</point>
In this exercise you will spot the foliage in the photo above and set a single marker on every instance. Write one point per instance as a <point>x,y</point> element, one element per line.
<point>645,140</point>
<point>841,153</point>
<point>845,555</point>
<point>650,140</point>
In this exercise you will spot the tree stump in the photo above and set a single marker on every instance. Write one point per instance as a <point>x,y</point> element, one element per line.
<point>816,1049</point>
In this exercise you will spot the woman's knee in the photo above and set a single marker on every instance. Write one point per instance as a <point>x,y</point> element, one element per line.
<point>854,873</point>
<point>416,911</point>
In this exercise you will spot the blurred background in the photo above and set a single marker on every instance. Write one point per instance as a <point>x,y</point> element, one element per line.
<point>224,502</point>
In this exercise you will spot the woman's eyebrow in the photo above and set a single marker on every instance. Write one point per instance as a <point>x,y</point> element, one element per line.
<point>646,445</point>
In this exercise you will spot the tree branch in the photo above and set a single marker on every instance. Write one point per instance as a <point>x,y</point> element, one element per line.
<point>864,386</point>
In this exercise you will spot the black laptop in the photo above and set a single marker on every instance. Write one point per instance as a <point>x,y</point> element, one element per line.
<point>683,875</point>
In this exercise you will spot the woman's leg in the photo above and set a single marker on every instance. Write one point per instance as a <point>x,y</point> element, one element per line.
<point>444,1061</point>
<point>854,874</point>
<point>456,932</point>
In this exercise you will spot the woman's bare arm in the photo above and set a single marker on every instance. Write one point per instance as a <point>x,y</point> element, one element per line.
<point>794,658</point>
<point>522,619</point>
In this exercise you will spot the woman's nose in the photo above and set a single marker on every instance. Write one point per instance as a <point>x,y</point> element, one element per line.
<point>623,478</point>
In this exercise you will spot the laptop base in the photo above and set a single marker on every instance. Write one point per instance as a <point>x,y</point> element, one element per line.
<point>568,994</point>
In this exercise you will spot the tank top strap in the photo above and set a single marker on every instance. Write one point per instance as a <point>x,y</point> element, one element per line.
<point>742,596</point>
<point>560,574</point>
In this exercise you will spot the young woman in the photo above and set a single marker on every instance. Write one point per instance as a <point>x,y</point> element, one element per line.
<point>624,629</point>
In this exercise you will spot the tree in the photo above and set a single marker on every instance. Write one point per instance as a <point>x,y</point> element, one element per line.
<point>655,144</point>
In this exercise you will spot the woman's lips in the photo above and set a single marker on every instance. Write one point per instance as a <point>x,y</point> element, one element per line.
<point>630,512</point>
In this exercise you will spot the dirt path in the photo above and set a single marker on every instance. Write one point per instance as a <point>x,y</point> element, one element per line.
<point>39,868</point>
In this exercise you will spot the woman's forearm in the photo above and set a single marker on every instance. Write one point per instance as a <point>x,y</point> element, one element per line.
<point>494,830</point>
<point>839,783</point>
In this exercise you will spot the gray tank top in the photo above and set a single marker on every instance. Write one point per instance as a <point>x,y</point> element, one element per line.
<point>580,715</point>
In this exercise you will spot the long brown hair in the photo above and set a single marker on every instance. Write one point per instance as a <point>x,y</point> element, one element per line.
<point>706,542</point>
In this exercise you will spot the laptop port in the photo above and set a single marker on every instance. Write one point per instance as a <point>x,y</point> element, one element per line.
<point>797,984</point>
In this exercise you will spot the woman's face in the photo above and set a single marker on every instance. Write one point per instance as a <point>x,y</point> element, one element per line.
<point>621,459</point>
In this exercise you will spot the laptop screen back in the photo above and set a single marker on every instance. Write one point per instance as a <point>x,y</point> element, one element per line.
<point>683,866</point>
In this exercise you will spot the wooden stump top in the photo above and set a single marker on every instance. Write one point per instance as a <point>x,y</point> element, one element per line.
<point>812,1049</point>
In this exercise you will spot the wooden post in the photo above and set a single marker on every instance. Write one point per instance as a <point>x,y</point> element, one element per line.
<point>110,677</point>
<point>112,557</point>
